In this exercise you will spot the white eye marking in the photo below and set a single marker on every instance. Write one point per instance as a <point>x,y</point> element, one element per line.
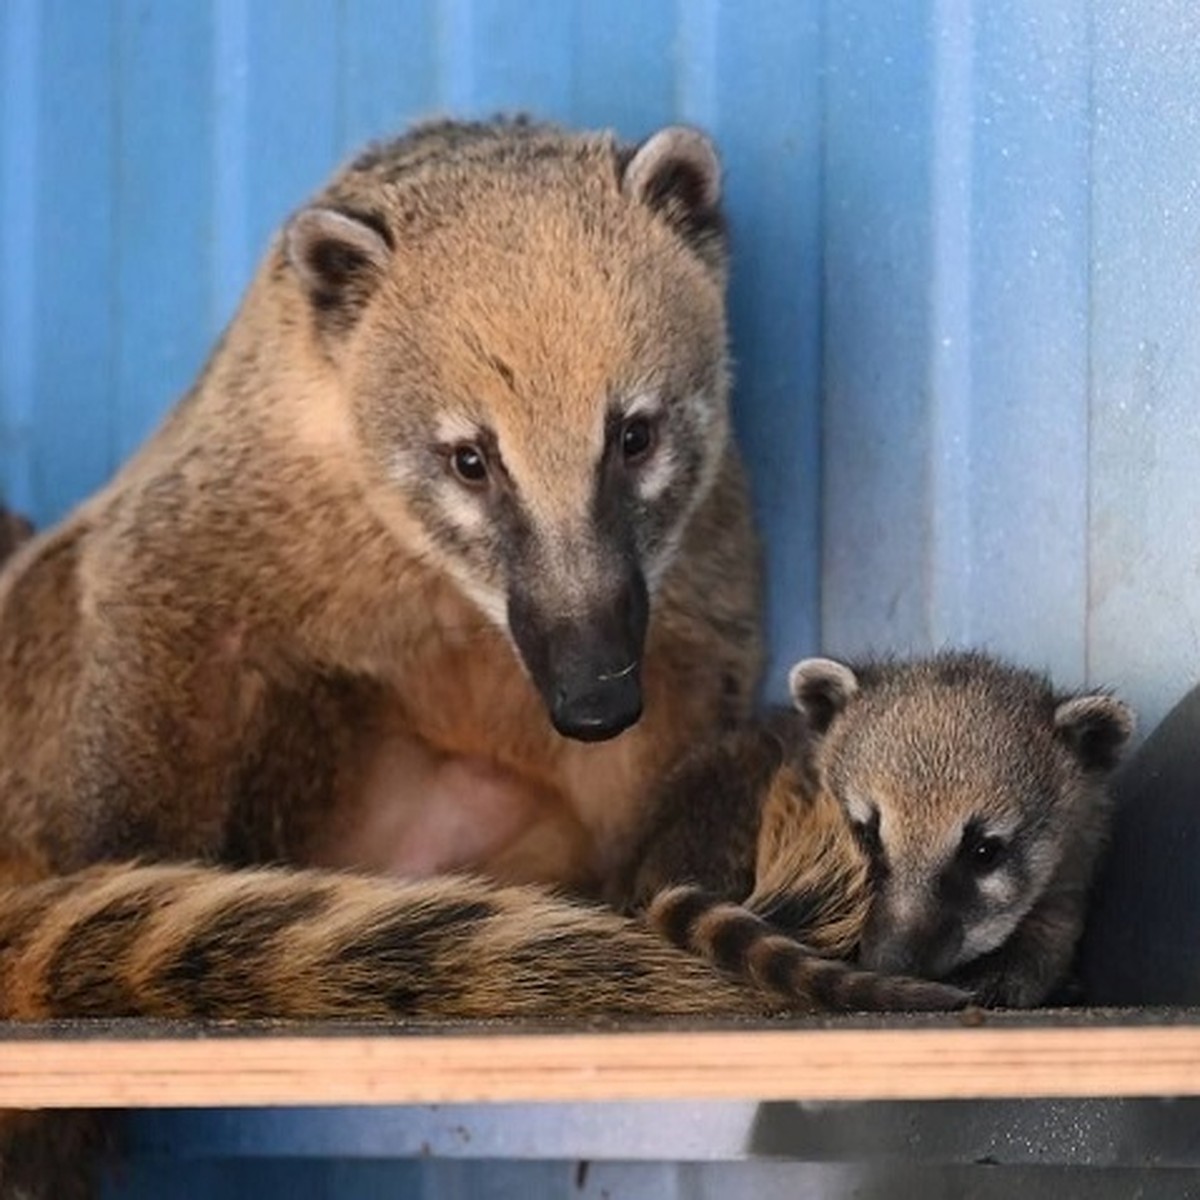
<point>984,936</point>
<point>645,404</point>
<point>463,508</point>
<point>453,427</point>
<point>860,810</point>
<point>998,887</point>
<point>656,476</point>
<point>491,603</point>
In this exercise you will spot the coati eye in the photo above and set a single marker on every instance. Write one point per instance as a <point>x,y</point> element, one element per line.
<point>988,854</point>
<point>637,439</point>
<point>467,461</point>
<point>980,851</point>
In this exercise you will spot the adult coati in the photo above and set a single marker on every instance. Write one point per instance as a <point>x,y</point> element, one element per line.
<point>452,506</point>
<point>938,817</point>
<point>442,563</point>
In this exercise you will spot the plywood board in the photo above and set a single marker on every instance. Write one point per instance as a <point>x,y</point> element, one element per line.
<point>132,1065</point>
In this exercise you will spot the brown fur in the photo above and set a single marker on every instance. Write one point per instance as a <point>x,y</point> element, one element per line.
<point>760,860</point>
<point>256,636</point>
<point>193,942</point>
<point>284,633</point>
<point>253,572</point>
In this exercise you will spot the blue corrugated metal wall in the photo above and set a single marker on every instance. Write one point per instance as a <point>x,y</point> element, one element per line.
<point>148,148</point>
<point>967,268</point>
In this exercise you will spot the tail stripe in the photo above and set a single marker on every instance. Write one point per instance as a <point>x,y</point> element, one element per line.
<point>185,941</point>
<point>742,943</point>
<point>80,971</point>
<point>233,955</point>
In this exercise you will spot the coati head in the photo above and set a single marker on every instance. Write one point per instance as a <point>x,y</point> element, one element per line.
<point>965,781</point>
<point>528,330</point>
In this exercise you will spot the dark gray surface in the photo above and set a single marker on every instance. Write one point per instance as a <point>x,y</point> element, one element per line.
<point>1142,944</point>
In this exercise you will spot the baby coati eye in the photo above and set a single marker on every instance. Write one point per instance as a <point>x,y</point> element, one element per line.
<point>982,852</point>
<point>637,439</point>
<point>467,461</point>
<point>988,853</point>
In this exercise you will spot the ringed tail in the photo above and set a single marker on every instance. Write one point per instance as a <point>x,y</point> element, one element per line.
<point>744,945</point>
<point>192,942</point>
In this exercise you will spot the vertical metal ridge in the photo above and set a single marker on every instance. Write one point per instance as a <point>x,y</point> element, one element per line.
<point>230,120</point>
<point>18,239</point>
<point>821,200</point>
<point>949,557</point>
<point>341,66</point>
<point>696,74</point>
<point>454,45</point>
<point>1090,532</point>
<point>118,182</point>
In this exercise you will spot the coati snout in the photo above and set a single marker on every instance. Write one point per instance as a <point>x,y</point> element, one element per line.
<point>589,670</point>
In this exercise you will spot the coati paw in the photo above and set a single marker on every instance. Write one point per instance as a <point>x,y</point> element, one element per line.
<point>996,987</point>
<point>926,995</point>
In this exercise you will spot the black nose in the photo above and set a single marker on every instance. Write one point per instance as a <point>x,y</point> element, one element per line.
<point>589,669</point>
<point>612,703</point>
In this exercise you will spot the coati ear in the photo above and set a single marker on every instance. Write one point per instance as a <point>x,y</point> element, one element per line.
<point>339,258</point>
<point>1095,729</point>
<point>676,172</point>
<point>820,689</point>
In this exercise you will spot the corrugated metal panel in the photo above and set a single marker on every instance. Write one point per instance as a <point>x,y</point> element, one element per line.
<point>965,290</point>
<point>961,295</point>
<point>956,314</point>
<point>149,149</point>
<point>1010,368</point>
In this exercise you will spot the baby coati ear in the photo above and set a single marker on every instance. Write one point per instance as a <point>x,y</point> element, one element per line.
<point>820,689</point>
<point>676,172</point>
<point>1095,728</point>
<point>339,258</point>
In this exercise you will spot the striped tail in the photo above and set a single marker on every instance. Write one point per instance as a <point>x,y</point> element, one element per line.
<point>741,943</point>
<point>193,942</point>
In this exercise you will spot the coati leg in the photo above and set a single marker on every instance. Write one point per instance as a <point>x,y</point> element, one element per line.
<point>55,1156</point>
<point>148,751</point>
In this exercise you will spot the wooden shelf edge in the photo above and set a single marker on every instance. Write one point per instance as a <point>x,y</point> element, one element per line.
<point>752,1064</point>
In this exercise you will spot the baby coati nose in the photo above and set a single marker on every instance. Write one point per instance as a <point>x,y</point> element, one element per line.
<point>889,956</point>
<point>612,703</point>
<point>924,944</point>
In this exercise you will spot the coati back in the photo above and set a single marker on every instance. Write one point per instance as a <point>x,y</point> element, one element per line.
<point>938,818</point>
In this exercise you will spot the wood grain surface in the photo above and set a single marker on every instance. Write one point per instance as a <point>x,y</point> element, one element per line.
<point>1081,1054</point>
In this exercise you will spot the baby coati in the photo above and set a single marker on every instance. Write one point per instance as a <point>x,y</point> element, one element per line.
<point>939,818</point>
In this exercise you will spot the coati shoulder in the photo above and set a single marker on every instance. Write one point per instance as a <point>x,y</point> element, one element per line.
<point>938,818</point>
